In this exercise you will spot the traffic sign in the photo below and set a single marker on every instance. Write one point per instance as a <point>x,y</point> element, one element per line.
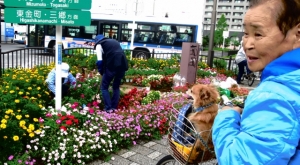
<point>9,32</point>
<point>47,16</point>
<point>57,4</point>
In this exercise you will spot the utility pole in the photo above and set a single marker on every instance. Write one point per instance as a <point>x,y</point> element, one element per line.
<point>133,26</point>
<point>210,56</point>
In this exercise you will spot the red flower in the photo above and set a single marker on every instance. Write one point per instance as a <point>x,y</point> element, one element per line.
<point>82,96</point>
<point>69,122</point>
<point>63,128</point>
<point>63,118</point>
<point>75,121</point>
<point>70,116</point>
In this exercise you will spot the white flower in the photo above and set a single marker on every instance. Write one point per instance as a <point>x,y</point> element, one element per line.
<point>74,155</point>
<point>43,158</point>
<point>112,158</point>
<point>79,161</point>
<point>122,135</point>
<point>58,164</point>
<point>28,146</point>
<point>36,148</point>
<point>63,156</point>
<point>102,141</point>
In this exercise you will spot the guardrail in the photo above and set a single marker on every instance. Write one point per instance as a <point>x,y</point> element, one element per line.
<point>32,56</point>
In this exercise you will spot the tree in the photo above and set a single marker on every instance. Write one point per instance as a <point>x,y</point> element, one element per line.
<point>220,27</point>
<point>205,41</point>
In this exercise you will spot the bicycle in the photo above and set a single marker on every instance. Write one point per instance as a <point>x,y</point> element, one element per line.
<point>250,77</point>
<point>182,137</point>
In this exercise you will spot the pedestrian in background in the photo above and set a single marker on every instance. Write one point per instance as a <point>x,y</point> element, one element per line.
<point>112,65</point>
<point>66,76</point>
<point>241,61</point>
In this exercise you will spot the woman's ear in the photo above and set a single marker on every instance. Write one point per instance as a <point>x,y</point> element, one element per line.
<point>297,35</point>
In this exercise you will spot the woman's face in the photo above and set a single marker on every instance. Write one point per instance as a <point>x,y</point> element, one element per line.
<point>263,42</point>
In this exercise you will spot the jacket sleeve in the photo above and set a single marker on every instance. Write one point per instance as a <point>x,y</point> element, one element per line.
<point>266,133</point>
<point>50,81</point>
<point>72,79</point>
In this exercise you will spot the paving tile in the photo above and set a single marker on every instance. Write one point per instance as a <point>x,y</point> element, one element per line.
<point>128,154</point>
<point>142,150</point>
<point>149,144</point>
<point>122,151</point>
<point>141,159</point>
<point>154,155</point>
<point>134,163</point>
<point>105,163</point>
<point>160,157</point>
<point>162,141</point>
<point>118,160</point>
<point>160,148</point>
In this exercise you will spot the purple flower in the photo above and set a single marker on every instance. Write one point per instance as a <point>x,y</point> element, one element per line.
<point>20,161</point>
<point>10,157</point>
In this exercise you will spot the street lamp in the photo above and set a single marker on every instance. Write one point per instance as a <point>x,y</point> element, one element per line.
<point>212,33</point>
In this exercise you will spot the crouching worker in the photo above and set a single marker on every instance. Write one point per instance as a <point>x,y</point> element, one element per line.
<point>66,76</point>
<point>112,65</point>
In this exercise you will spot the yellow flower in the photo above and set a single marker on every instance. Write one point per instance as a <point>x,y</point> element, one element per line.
<point>39,95</point>
<point>9,111</point>
<point>27,93</point>
<point>6,117</point>
<point>29,130</point>
<point>22,123</point>
<point>26,116</point>
<point>19,117</point>
<point>3,121</point>
<point>4,137</point>
<point>38,88</point>
<point>16,138</point>
<point>3,126</point>
<point>12,91</point>
<point>20,93</point>
<point>31,126</point>
<point>40,106</point>
<point>7,87</point>
<point>19,110</point>
<point>17,101</point>
<point>47,93</point>
<point>29,88</point>
<point>24,127</point>
<point>31,134</point>
<point>27,80</point>
<point>35,120</point>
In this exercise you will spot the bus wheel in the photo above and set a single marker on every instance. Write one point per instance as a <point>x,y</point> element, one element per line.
<point>141,55</point>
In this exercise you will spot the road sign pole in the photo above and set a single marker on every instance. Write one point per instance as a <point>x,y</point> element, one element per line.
<point>58,61</point>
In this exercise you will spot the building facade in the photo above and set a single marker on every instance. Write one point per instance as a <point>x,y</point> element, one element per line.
<point>234,11</point>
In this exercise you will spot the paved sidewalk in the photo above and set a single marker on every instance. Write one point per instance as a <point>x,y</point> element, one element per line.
<point>144,153</point>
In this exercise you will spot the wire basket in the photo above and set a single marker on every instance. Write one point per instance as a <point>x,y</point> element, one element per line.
<point>187,145</point>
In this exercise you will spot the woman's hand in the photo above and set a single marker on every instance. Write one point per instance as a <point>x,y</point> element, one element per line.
<point>236,108</point>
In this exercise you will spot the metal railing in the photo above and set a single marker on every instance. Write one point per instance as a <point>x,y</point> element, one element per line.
<point>33,56</point>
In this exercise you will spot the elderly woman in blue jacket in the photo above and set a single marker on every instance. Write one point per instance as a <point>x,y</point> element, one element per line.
<point>267,130</point>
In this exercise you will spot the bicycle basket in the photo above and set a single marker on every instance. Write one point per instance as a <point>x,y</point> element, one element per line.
<point>187,145</point>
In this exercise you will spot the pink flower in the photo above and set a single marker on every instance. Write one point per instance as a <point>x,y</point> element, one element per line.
<point>82,95</point>
<point>10,157</point>
<point>91,110</point>
<point>75,105</point>
<point>41,120</point>
<point>58,121</point>
<point>134,143</point>
<point>79,85</point>
<point>48,115</point>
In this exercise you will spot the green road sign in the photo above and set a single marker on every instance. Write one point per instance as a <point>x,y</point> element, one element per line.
<point>57,4</point>
<point>47,16</point>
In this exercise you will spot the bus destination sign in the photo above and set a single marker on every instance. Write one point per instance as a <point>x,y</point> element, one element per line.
<point>47,16</point>
<point>45,4</point>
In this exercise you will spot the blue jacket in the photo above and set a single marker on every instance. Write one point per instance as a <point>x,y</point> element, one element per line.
<point>268,131</point>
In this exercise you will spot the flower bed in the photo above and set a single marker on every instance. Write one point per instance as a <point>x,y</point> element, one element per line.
<point>30,133</point>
